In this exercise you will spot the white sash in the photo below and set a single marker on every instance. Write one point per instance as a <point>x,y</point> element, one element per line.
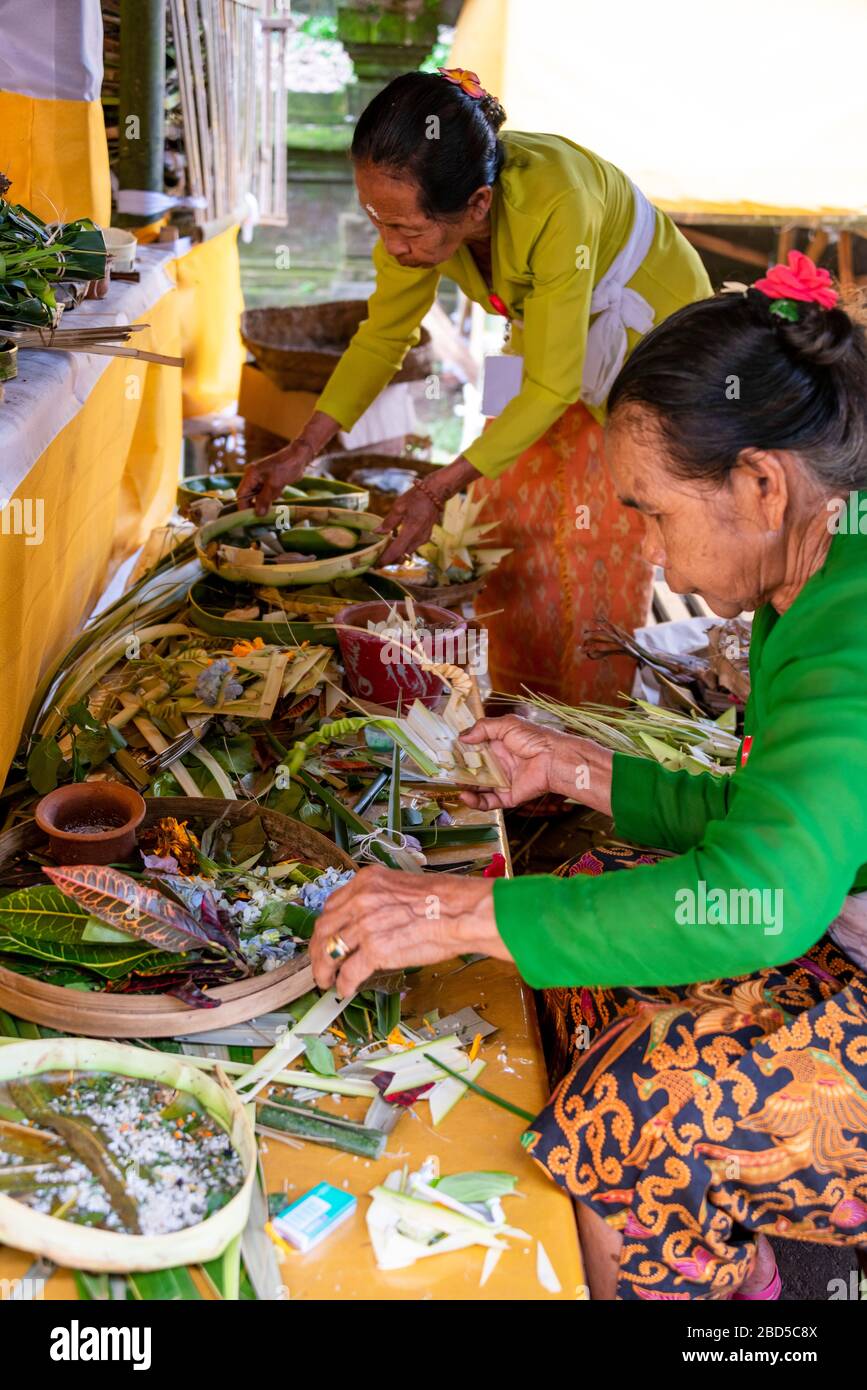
<point>618,308</point>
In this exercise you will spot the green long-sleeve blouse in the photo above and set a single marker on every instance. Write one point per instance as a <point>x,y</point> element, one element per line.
<point>790,824</point>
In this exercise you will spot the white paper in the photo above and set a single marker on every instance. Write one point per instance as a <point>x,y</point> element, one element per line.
<point>503,378</point>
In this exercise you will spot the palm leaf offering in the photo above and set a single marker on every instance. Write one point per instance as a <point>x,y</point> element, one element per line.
<point>431,740</point>
<point>414,1215</point>
<point>308,490</point>
<point>680,742</point>
<point>139,1161</point>
<point>453,554</point>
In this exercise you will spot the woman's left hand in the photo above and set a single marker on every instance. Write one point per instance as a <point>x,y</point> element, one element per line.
<point>415,514</point>
<point>412,517</point>
<point>390,919</point>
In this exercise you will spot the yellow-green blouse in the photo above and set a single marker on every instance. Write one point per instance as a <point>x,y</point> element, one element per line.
<point>558,218</point>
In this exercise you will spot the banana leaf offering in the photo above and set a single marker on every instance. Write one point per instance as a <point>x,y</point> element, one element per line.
<point>190,913</point>
<point>119,1153</point>
<point>290,545</point>
<point>34,257</point>
<point>329,492</point>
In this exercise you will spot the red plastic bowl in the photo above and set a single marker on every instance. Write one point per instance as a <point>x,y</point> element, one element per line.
<point>376,671</point>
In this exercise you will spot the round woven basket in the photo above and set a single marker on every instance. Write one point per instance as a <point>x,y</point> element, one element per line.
<point>299,346</point>
<point>343,467</point>
<point>98,1014</point>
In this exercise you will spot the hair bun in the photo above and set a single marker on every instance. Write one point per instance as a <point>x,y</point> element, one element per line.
<point>493,111</point>
<point>821,336</point>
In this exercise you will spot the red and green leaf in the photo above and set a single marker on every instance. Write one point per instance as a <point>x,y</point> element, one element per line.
<point>132,907</point>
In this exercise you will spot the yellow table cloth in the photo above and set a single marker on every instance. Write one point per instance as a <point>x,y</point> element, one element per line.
<point>86,502</point>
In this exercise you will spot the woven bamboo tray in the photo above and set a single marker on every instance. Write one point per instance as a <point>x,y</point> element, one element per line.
<point>299,346</point>
<point>101,1015</point>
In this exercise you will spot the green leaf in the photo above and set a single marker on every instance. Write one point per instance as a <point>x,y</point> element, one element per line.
<point>80,715</point>
<point>235,755</point>
<point>64,976</point>
<point>43,764</point>
<point>112,962</point>
<point>299,920</point>
<point>43,912</point>
<point>90,1287</point>
<point>394,795</point>
<point>164,1285</point>
<point>319,1056</point>
<point>477,1187</point>
<point>94,930</point>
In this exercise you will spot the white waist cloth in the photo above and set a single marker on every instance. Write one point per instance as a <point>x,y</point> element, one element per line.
<point>849,930</point>
<point>618,308</point>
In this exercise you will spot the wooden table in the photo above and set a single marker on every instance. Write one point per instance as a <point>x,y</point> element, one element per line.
<point>475,1135</point>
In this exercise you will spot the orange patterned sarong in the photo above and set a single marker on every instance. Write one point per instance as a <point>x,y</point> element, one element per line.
<point>576,558</point>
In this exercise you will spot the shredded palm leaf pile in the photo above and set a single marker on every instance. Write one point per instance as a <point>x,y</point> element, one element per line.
<point>677,741</point>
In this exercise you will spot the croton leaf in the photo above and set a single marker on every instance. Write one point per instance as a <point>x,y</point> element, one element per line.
<point>141,911</point>
<point>190,994</point>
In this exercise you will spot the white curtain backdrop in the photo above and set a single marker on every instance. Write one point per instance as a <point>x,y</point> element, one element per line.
<point>742,106</point>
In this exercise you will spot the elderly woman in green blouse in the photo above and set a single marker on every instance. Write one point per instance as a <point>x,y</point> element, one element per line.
<point>715,997</point>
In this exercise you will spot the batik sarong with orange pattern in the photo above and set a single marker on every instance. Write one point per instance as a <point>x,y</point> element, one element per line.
<point>575,558</point>
<point>692,1118</point>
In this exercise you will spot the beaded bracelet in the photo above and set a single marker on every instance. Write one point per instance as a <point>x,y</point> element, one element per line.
<point>424,486</point>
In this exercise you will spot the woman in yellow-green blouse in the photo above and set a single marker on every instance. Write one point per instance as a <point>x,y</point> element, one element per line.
<point>565,247</point>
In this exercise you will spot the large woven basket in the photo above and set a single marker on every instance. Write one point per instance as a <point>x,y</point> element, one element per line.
<point>299,346</point>
<point>100,1015</point>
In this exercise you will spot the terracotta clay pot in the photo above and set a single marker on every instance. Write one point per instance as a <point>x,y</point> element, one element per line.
<point>91,822</point>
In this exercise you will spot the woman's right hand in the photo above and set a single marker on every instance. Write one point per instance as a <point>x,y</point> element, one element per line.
<point>537,760</point>
<point>264,480</point>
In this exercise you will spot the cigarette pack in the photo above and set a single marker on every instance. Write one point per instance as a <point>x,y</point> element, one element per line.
<point>309,1219</point>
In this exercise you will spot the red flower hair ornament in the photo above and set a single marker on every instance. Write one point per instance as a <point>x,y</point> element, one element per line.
<point>799,282</point>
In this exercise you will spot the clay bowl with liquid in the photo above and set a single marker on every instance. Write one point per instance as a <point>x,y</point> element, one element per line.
<point>91,822</point>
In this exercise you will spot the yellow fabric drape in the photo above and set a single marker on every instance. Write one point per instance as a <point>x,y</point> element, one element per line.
<point>210,305</point>
<point>56,155</point>
<point>104,482</point>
